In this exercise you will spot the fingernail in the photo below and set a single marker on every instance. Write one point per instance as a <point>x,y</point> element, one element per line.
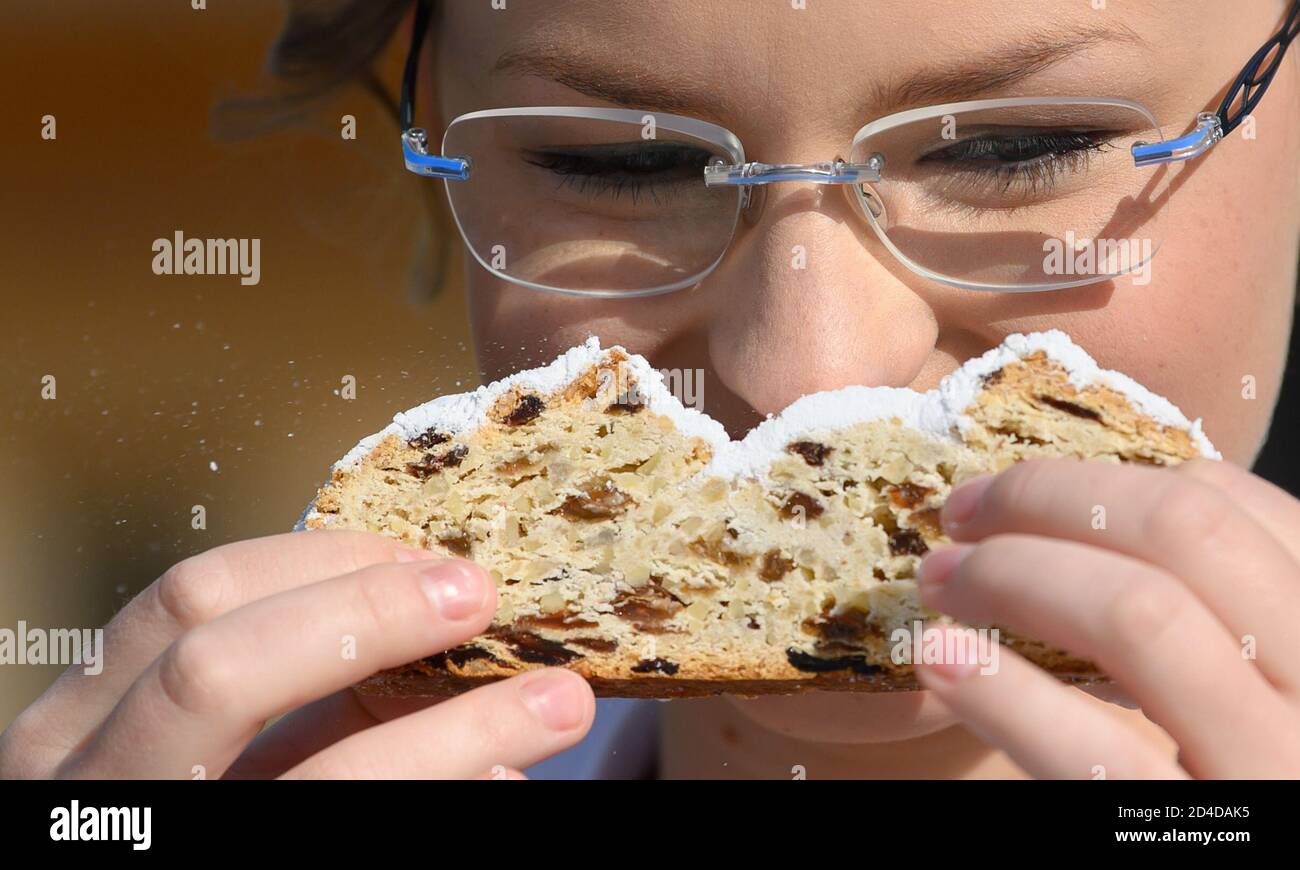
<point>950,672</point>
<point>937,565</point>
<point>414,554</point>
<point>963,502</point>
<point>556,700</point>
<point>457,589</point>
<point>957,657</point>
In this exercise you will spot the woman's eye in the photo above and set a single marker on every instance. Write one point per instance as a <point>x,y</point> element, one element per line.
<point>1018,149</point>
<point>621,168</point>
<point>1034,161</point>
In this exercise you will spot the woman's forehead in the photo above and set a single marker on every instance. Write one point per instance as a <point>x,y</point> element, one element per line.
<point>724,61</point>
<point>831,33</point>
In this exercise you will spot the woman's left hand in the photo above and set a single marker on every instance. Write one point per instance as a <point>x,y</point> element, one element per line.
<point>1181,584</point>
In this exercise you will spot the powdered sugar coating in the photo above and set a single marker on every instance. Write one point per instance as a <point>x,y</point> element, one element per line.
<point>818,413</point>
<point>958,390</point>
<point>938,412</point>
<point>462,413</point>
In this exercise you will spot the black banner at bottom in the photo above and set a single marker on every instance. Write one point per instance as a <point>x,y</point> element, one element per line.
<point>810,820</point>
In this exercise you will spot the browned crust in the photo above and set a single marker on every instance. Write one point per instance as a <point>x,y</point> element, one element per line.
<point>441,679</point>
<point>408,682</point>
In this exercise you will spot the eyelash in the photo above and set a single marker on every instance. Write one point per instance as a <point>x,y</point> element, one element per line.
<point>1034,161</point>
<point>1052,154</point>
<point>623,170</point>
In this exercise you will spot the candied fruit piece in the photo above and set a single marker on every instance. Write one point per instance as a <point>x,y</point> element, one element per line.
<point>907,542</point>
<point>598,501</point>
<point>460,545</point>
<point>775,566</point>
<point>427,439</point>
<point>431,464</point>
<point>530,407</point>
<point>812,452</point>
<point>908,495</point>
<point>800,502</point>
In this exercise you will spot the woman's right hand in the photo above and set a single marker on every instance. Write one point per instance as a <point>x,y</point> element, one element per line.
<point>198,662</point>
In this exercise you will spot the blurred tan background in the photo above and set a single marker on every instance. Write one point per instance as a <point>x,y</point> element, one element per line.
<point>159,376</point>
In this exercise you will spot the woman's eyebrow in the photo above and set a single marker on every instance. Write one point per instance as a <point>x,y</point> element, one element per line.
<point>996,70</point>
<point>621,82</point>
<point>614,81</point>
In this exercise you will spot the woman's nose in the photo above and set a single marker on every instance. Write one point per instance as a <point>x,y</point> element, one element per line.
<point>803,305</point>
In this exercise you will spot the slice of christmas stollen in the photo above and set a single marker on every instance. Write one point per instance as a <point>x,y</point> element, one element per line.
<point>633,542</point>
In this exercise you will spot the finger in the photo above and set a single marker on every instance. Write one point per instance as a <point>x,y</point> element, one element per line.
<point>1051,730</point>
<point>191,593</point>
<point>1144,629</point>
<point>309,729</point>
<point>1190,529</point>
<point>511,724</point>
<point>208,695</point>
<point>1272,507</point>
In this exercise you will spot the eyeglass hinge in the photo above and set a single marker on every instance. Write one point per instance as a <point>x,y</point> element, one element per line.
<point>415,151</point>
<point>1209,130</point>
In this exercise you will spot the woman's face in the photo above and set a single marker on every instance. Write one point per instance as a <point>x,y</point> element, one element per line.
<point>795,85</point>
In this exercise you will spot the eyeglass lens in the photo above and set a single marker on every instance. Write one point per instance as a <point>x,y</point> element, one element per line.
<point>1020,196</point>
<point>1005,197</point>
<point>589,205</point>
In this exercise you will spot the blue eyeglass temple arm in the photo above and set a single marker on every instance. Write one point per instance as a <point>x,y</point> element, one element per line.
<point>415,151</point>
<point>1250,85</point>
<point>1208,132</point>
<point>415,141</point>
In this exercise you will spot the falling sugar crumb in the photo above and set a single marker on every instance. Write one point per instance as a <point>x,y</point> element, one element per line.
<point>213,465</point>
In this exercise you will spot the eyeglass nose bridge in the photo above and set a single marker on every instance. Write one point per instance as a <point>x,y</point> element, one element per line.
<point>753,178</point>
<point>721,174</point>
